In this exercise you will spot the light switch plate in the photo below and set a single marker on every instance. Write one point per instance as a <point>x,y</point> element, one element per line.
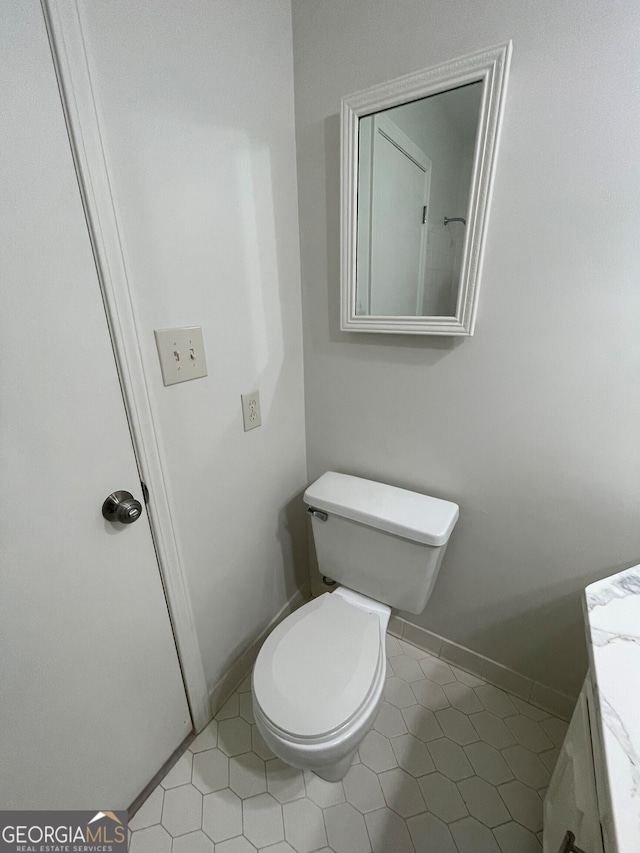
<point>181,353</point>
<point>251,413</point>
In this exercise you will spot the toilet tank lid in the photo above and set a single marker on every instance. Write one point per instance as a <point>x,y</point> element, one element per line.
<point>408,514</point>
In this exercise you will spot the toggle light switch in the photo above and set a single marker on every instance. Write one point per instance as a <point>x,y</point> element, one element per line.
<point>181,353</point>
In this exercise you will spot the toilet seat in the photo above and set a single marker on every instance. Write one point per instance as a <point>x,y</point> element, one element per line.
<point>318,669</point>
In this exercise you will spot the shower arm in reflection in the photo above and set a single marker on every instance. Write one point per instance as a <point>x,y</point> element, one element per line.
<point>449,219</point>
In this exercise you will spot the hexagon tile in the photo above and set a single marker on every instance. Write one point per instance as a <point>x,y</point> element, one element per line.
<point>451,765</point>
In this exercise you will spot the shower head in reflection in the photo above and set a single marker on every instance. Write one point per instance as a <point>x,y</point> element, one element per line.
<point>449,219</point>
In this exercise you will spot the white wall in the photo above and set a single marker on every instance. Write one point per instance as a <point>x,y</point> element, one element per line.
<point>533,424</point>
<point>197,111</point>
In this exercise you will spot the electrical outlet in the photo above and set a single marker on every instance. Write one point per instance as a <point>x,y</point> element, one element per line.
<point>181,353</point>
<point>251,410</point>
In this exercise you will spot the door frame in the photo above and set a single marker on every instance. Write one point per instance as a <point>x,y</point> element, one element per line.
<point>64,28</point>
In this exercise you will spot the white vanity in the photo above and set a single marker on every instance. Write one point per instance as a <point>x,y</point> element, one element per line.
<point>593,801</point>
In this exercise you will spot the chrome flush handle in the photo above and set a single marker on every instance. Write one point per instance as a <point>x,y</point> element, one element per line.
<point>318,513</point>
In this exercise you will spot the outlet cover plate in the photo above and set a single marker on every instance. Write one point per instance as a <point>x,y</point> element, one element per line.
<point>181,353</point>
<point>251,413</point>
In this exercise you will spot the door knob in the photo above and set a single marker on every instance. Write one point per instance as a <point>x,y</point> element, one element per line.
<point>123,507</point>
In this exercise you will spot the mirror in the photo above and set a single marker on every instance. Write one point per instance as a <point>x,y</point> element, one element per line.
<point>418,157</point>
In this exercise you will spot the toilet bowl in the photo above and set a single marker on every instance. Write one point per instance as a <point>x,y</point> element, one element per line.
<point>318,680</point>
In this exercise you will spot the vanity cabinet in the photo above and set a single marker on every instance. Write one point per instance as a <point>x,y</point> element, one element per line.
<point>571,806</point>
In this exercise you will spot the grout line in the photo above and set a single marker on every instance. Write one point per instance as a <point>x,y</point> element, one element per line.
<point>364,818</point>
<point>324,823</point>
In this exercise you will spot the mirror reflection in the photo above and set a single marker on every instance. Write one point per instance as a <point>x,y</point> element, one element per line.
<point>415,165</point>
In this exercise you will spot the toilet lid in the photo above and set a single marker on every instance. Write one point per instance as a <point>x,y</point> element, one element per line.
<point>318,666</point>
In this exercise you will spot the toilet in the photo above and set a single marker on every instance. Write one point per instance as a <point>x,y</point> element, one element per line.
<point>318,679</point>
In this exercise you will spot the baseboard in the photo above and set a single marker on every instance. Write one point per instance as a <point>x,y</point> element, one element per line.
<point>553,701</point>
<point>241,667</point>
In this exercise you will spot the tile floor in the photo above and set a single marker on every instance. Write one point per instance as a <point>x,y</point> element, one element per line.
<point>452,765</point>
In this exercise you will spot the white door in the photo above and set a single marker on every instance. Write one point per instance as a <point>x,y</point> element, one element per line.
<point>399,198</point>
<point>91,697</point>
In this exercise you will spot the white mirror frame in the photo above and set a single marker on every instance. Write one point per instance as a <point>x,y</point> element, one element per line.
<point>490,66</point>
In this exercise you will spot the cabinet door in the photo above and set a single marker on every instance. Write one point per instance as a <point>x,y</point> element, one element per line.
<point>571,802</point>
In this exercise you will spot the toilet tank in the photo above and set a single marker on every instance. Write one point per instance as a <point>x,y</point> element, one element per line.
<point>384,542</point>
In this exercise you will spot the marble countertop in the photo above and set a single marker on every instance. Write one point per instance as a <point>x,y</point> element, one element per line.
<point>612,609</point>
